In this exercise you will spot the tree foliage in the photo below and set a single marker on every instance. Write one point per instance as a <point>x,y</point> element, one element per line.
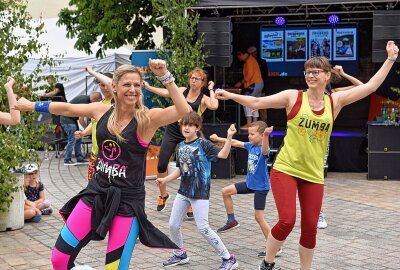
<point>18,40</point>
<point>182,46</point>
<point>109,23</point>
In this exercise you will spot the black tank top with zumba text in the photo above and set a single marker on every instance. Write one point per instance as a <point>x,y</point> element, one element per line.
<point>122,164</point>
<point>173,129</point>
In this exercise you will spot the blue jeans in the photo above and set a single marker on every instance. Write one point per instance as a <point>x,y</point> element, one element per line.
<point>258,87</point>
<point>72,144</point>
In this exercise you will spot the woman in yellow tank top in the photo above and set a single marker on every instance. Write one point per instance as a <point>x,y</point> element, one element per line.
<point>299,165</point>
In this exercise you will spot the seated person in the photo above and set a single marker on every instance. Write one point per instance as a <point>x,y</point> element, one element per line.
<point>34,191</point>
<point>31,213</point>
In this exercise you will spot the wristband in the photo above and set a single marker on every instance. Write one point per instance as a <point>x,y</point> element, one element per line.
<point>42,106</point>
<point>391,59</point>
<point>169,82</point>
<point>165,76</point>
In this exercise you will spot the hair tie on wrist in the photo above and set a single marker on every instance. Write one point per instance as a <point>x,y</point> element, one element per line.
<point>391,59</point>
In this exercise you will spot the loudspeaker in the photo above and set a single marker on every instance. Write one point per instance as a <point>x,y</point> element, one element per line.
<point>224,168</point>
<point>241,154</point>
<point>383,138</point>
<point>383,152</point>
<point>385,27</point>
<point>217,34</point>
<point>219,129</point>
<point>214,24</point>
<point>220,61</point>
<point>241,161</point>
<point>383,166</point>
<point>220,49</point>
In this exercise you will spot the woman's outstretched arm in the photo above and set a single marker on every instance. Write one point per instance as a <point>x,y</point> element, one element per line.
<point>13,117</point>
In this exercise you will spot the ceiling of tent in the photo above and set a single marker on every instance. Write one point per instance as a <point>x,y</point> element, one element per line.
<point>264,11</point>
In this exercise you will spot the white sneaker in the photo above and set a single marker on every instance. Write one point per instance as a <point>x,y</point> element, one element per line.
<point>322,224</point>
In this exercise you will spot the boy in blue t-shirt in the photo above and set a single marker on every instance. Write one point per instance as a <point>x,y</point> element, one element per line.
<point>257,178</point>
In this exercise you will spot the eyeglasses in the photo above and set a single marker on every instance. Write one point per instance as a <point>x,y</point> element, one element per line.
<point>314,73</point>
<point>196,79</point>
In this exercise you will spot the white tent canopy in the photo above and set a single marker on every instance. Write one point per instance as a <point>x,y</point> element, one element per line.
<point>72,65</point>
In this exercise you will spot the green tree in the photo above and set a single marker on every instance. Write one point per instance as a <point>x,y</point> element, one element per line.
<point>109,23</point>
<point>182,46</point>
<point>18,40</point>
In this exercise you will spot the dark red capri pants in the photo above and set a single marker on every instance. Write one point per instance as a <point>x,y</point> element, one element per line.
<point>284,188</point>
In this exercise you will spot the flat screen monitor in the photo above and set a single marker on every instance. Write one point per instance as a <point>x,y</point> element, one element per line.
<point>286,49</point>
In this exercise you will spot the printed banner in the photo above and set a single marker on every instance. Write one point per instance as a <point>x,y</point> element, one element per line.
<point>320,43</point>
<point>272,46</point>
<point>296,45</point>
<point>345,44</point>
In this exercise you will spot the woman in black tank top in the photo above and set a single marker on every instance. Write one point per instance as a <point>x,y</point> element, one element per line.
<point>116,193</point>
<point>199,102</point>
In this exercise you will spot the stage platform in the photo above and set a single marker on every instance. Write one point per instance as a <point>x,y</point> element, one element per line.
<point>347,149</point>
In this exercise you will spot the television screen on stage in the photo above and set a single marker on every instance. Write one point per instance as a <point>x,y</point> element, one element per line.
<point>286,49</point>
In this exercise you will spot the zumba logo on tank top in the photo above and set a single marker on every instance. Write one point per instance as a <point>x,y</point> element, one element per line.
<point>315,130</point>
<point>111,151</point>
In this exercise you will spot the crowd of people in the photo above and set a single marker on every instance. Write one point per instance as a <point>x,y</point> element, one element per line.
<point>113,201</point>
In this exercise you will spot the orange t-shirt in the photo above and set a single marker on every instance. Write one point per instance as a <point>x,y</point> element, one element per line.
<point>251,72</point>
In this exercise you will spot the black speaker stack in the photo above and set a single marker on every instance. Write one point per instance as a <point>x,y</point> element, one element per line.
<point>383,152</point>
<point>217,34</point>
<point>386,27</point>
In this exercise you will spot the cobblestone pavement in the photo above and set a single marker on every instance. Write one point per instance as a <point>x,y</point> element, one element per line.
<point>363,227</point>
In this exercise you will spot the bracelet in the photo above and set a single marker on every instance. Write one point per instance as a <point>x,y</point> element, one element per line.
<point>391,59</point>
<point>42,106</point>
<point>165,76</point>
<point>169,82</point>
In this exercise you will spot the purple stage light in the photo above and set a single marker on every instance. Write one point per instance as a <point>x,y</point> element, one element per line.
<point>333,19</point>
<point>280,21</point>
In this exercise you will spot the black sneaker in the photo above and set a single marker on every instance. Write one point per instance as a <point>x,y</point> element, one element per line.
<point>162,202</point>
<point>268,266</point>
<point>176,260</point>
<point>69,163</point>
<point>229,226</point>
<point>262,254</point>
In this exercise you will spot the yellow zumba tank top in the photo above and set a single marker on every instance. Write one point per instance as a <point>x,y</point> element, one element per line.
<point>305,143</point>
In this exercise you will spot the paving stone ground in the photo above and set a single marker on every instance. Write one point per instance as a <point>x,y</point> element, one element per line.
<point>363,227</point>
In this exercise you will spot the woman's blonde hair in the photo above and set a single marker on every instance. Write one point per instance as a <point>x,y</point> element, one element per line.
<point>140,109</point>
